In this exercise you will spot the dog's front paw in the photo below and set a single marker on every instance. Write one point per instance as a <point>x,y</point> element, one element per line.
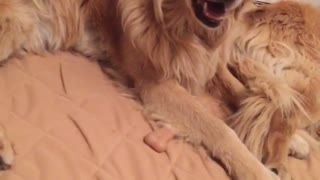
<point>299,148</point>
<point>6,152</point>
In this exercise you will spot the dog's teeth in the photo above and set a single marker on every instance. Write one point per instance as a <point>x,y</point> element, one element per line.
<point>205,7</point>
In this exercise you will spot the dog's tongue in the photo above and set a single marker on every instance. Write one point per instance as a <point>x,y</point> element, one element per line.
<point>214,10</point>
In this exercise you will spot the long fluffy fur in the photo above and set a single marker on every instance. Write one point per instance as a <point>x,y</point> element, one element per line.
<point>274,77</point>
<point>175,61</point>
<point>159,44</point>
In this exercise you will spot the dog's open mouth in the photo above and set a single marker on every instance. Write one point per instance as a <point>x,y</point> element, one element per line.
<point>209,12</point>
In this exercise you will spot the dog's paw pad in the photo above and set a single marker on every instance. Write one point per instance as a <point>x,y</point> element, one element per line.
<point>299,148</point>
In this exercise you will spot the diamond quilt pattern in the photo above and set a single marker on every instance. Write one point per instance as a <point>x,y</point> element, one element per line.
<point>67,122</point>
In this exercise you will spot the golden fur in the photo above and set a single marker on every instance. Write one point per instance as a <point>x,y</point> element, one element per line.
<point>269,64</point>
<point>173,59</point>
<point>159,44</point>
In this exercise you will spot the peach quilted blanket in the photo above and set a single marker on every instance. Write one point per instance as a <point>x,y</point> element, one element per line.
<point>67,122</point>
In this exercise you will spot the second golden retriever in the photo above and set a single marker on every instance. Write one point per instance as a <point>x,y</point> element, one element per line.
<point>273,70</point>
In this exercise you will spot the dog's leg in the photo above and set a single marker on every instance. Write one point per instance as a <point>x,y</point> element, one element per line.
<point>171,103</point>
<point>276,148</point>
<point>268,114</point>
<point>162,134</point>
<point>266,135</point>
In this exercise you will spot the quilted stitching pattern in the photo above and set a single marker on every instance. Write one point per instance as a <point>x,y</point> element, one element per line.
<point>67,122</point>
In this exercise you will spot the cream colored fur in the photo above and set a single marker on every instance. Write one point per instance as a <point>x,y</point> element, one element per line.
<point>272,70</point>
<point>159,44</point>
<point>173,58</point>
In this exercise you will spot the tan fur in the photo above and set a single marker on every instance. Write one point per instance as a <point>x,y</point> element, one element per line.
<point>272,74</point>
<point>173,59</point>
<point>159,44</point>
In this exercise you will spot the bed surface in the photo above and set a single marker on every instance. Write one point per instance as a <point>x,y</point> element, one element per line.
<point>67,122</point>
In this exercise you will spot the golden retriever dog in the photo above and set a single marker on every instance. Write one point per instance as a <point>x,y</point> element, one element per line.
<point>273,70</point>
<point>167,47</point>
<point>183,54</point>
<point>268,78</point>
